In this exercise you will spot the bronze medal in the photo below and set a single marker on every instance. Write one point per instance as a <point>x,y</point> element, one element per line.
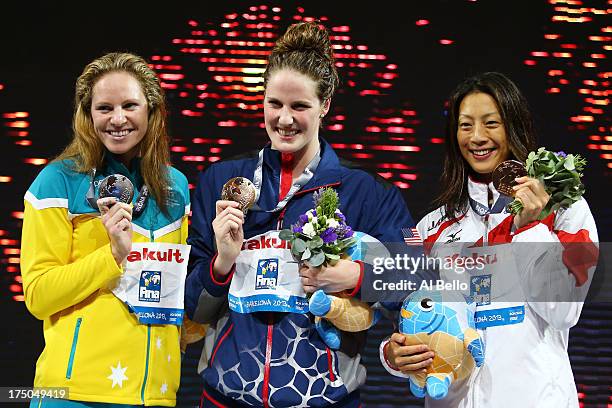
<point>504,174</point>
<point>241,190</point>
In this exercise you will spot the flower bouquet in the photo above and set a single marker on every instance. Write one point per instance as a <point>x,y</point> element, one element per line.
<point>321,235</point>
<point>561,175</point>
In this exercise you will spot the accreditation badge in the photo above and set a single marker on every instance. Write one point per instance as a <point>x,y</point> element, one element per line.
<point>267,278</point>
<point>153,282</point>
<point>496,288</point>
<point>487,276</point>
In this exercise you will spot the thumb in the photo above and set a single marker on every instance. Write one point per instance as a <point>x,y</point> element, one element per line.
<point>398,338</point>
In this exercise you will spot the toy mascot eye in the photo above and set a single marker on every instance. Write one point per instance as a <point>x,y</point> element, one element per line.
<point>426,304</point>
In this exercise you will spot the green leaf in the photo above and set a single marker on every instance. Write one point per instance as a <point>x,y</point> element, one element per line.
<point>298,246</point>
<point>569,163</point>
<point>285,235</point>
<point>316,242</point>
<point>306,254</point>
<point>317,259</point>
<point>332,256</point>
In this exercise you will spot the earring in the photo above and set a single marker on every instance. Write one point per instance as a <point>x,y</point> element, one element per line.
<point>322,115</point>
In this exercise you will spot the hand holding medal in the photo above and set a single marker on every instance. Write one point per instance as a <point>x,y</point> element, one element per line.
<point>115,203</point>
<point>237,196</point>
<point>559,173</point>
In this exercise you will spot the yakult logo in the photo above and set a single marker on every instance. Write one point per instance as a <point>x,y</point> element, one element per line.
<point>171,255</point>
<point>267,274</point>
<point>149,289</point>
<point>263,242</point>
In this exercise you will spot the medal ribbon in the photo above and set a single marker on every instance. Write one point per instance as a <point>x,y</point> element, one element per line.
<point>304,178</point>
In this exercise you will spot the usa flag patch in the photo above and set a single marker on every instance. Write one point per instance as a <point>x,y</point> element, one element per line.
<point>411,236</point>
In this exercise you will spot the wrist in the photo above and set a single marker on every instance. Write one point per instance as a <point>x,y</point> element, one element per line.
<point>386,356</point>
<point>355,275</point>
<point>118,256</point>
<point>222,266</point>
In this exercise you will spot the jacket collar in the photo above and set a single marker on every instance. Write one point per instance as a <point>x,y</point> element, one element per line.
<point>326,173</point>
<point>112,165</point>
<point>479,191</point>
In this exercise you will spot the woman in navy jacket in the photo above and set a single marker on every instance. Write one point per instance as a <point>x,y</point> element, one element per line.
<point>273,359</point>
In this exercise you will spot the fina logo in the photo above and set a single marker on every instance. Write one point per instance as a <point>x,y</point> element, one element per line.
<point>480,288</point>
<point>150,286</point>
<point>267,274</point>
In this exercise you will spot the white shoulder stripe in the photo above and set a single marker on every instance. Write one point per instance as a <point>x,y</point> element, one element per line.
<point>142,231</point>
<point>159,232</point>
<point>168,229</point>
<point>41,204</point>
<point>187,209</point>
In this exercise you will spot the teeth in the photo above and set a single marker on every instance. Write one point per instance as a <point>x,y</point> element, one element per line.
<point>287,132</point>
<point>119,133</point>
<point>481,152</point>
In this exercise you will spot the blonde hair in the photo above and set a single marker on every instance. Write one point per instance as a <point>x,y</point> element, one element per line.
<point>306,48</point>
<point>87,151</point>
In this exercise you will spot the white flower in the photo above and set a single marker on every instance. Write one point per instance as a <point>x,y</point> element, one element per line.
<point>332,223</point>
<point>314,220</point>
<point>308,230</point>
<point>310,214</point>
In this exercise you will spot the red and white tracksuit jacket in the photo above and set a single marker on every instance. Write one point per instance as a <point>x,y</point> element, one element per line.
<point>526,364</point>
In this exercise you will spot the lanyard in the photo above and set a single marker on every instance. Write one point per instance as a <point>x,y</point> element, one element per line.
<point>304,178</point>
<point>498,207</point>
<point>139,205</point>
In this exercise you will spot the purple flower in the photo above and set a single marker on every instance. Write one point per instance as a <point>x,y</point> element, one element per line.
<point>296,228</point>
<point>561,154</point>
<point>341,216</point>
<point>303,219</point>
<point>329,235</point>
<point>348,232</point>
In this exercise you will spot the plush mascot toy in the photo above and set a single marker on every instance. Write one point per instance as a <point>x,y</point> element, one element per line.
<point>337,311</point>
<point>443,321</point>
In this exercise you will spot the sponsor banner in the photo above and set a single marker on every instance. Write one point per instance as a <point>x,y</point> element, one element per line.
<point>153,282</point>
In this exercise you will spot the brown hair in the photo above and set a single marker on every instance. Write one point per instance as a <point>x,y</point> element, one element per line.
<point>305,47</point>
<point>87,151</point>
<point>517,122</point>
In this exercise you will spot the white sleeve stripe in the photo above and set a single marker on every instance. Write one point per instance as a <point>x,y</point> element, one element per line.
<point>41,204</point>
<point>187,209</point>
<point>383,360</point>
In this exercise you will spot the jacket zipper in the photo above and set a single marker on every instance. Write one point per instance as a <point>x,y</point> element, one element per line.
<point>148,355</point>
<point>475,377</point>
<point>266,384</point>
<point>75,338</point>
<point>146,374</point>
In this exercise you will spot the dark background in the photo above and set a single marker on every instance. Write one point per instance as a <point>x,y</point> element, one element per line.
<point>44,47</point>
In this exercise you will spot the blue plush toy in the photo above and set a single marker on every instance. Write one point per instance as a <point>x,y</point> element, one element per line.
<point>335,312</point>
<point>444,321</point>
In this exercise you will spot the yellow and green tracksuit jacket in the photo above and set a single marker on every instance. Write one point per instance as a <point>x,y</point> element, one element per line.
<point>93,344</point>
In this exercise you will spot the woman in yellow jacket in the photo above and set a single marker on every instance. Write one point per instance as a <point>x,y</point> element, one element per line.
<point>74,247</point>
